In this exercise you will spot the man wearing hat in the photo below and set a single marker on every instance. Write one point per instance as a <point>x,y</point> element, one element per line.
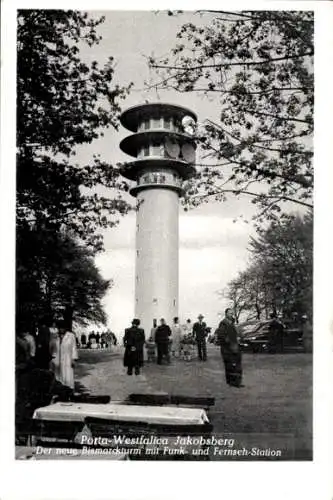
<point>200,333</point>
<point>134,340</point>
<point>226,335</point>
<point>162,339</point>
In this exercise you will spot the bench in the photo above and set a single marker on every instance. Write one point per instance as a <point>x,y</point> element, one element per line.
<point>53,432</point>
<point>177,400</point>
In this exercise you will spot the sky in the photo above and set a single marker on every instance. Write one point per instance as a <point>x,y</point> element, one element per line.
<point>213,247</point>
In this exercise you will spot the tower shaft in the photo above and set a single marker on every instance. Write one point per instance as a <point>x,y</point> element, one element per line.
<point>163,146</point>
<point>157,250</point>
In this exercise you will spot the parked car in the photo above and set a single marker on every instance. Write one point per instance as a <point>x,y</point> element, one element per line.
<point>257,339</point>
<point>250,326</point>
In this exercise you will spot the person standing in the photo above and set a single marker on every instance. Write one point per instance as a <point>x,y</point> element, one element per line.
<point>54,333</point>
<point>162,340</point>
<point>83,340</point>
<point>151,350</point>
<point>153,330</point>
<point>226,336</point>
<point>307,334</point>
<point>150,344</point>
<point>200,333</point>
<point>188,328</point>
<point>30,340</point>
<point>22,357</point>
<point>42,357</point>
<point>176,337</point>
<point>134,340</point>
<point>275,335</point>
<point>64,354</point>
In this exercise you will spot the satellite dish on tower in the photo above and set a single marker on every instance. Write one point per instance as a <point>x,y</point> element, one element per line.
<point>172,148</point>
<point>188,124</point>
<point>188,153</point>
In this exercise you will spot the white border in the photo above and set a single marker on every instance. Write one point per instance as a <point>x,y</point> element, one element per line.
<point>136,481</point>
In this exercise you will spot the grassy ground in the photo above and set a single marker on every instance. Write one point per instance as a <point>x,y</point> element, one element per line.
<point>273,411</point>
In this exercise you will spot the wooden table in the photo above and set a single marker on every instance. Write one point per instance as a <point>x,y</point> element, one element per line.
<point>164,416</point>
<point>131,413</point>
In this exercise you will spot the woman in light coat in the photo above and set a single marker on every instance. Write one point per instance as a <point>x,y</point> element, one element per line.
<point>64,353</point>
<point>177,336</point>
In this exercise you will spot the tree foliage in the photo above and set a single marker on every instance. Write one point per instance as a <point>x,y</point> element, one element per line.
<point>280,275</point>
<point>257,66</point>
<point>59,280</point>
<point>63,102</point>
<point>248,294</point>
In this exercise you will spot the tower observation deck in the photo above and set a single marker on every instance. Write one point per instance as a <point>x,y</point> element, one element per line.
<point>163,146</point>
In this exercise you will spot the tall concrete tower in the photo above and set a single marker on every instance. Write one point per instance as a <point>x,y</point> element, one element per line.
<point>163,146</point>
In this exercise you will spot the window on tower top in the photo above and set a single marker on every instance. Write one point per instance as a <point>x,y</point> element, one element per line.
<point>146,150</point>
<point>177,125</point>
<point>146,124</point>
<point>156,150</point>
<point>156,122</point>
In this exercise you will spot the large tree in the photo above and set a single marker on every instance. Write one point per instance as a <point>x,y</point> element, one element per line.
<point>57,277</point>
<point>62,102</point>
<point>248,294</point>
<point>280,275</point>
<point>257,66</point>
<point>284,253</point>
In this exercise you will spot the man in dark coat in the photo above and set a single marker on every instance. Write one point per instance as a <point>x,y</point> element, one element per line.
<point>275,335</point>
<point>200,333</point>
<point>134,340</point>
<point>226,336</point>
<point>162,340</point>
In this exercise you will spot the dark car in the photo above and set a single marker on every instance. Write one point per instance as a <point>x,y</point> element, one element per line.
<point>257,339</point>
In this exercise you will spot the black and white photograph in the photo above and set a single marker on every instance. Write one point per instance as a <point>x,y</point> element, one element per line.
<point>164,235</point>
<point>164,223</point>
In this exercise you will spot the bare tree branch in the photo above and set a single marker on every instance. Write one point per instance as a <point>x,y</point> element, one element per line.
<point>256,195</point>
<point>228,65</point>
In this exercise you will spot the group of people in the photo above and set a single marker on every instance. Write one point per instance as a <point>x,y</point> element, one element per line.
<point>44,370</point>
<point>178,341</point>
<point>97,340</point>
<point>54,348</point>
<point>164,342</point>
